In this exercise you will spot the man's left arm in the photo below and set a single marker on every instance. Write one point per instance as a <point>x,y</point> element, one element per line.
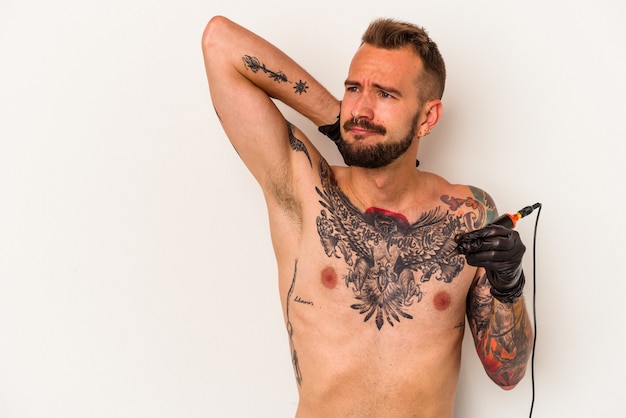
<point>496,309</point>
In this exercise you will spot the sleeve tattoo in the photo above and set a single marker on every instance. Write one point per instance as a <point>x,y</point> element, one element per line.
<point>502,333</point>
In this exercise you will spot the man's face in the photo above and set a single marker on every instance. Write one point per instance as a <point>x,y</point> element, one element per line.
<point>380,109</point>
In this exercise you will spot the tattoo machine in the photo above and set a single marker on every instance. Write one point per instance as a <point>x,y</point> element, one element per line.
<point>510,220</point>
<point>506,220</point>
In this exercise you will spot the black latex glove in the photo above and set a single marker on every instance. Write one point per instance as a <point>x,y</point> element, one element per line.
<point>333,131</point>
<point>500,251</point>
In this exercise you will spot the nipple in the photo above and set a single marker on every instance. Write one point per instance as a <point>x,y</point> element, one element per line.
<point>329,278</point>
<point>442,300</point>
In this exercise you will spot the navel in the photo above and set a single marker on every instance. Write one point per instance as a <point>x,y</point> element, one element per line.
<point>329,278</point>
<point>442,300</point>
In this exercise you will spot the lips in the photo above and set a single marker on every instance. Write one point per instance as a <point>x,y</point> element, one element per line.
<point>360,131</point>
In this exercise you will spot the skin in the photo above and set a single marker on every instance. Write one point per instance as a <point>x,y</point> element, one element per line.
<point>373,294</point>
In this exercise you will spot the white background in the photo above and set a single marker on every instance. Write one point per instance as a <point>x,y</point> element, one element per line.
<point>136,273</point>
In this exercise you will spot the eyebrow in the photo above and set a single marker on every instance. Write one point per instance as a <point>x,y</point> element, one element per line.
<point>376,85</point>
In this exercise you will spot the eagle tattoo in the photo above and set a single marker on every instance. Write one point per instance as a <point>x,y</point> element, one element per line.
<point>388,258</point>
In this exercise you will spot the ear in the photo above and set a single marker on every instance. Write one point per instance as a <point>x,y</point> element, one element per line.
<point>432,112</point>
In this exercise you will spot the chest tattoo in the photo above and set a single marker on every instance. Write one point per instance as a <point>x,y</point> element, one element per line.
<point>387,257</point>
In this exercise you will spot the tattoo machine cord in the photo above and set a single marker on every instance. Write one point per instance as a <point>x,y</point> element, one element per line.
<point>532,358</point>
<point>510,221</point>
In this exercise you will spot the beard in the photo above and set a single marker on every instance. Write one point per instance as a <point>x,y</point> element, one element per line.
<point>376,155</point>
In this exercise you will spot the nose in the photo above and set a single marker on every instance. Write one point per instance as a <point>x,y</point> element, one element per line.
<point>361,108</point>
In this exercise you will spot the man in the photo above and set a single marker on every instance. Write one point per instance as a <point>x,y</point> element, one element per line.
<point>377,265</point>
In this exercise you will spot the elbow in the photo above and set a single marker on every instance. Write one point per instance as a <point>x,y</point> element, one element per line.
<point>507,379</point>
<point>213,33</point>
<point>506,387</point>
<point>217,39</point>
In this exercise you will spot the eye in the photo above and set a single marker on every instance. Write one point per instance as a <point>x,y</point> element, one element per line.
<point>352,89</point>
<point>385,95</point>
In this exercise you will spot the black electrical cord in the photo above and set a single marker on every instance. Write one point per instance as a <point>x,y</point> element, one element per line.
<point>534,303</point>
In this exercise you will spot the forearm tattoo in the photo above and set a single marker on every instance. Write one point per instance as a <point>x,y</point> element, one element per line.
<point>502,333</point>
<point>253,64</point>
<point>387,257</point>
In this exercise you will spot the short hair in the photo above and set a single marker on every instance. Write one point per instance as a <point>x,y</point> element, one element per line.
<point>394,34</point>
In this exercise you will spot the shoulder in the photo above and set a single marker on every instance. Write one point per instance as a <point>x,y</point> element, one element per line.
<point>486,201</point>
<point>463,198</point>
<point>481,204</point>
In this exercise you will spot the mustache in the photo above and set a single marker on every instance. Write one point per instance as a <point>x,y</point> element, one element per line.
<point>365,124</point>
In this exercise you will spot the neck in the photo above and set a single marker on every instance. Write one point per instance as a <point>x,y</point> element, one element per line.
<point>389,188</point>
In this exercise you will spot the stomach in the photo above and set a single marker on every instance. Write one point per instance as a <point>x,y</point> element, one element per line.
<point>349,368</point>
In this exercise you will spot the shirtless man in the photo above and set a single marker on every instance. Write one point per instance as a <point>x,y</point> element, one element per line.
<point>377,265</point>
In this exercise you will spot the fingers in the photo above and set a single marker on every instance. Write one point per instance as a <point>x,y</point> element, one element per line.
<point>491,244</point>
<point>493,259</point>
<point>493,237</point>
<point>487,231</point>
<point>499,250</point>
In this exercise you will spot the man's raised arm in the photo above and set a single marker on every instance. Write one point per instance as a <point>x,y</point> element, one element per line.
<point>244,73</point>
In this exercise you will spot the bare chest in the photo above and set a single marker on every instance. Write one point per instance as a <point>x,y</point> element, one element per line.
<point>383,266</point>
<point>376,269</point>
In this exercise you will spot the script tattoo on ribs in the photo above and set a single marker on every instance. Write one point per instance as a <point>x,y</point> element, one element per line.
<point>384,252</point>
<point>253,64</point>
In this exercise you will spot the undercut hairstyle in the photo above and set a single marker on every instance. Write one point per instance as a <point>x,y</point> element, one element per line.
<point>394,34</point>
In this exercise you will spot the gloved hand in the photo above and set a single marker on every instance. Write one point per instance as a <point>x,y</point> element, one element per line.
<point>333,131</point>
<point>500,251</point>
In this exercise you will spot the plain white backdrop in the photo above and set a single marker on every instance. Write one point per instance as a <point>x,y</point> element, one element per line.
<point>136,272</point>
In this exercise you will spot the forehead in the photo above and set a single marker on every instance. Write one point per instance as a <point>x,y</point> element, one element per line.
<point>397,67</point>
